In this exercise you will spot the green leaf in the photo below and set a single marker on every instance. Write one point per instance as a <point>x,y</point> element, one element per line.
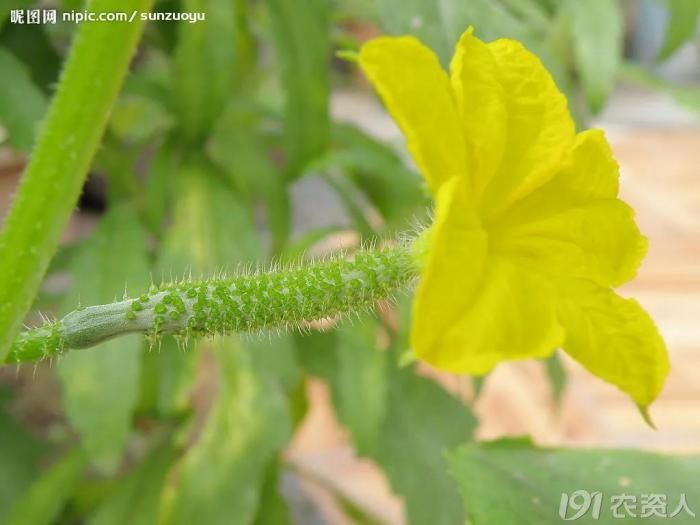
<point>408,424</point>
<point>236,147</point>
<point>204,65</point>
<point>681,26</point>
<point>510,482</point>
<point>212,227</point>
<point>478,383</point>
<point>7,7</point>
<point>47,496</point>
<point>685,96</point>
<point>273,509</point>
<point>557,376</point>
<point>597,32</point>
<point>422,422</point>
<point>172,369</point>
<point>22,104</point>
<point>136,499</point>
<point>100,385</point>
<point>302,44</point>
<point>159,188</point>
<point>274,355</point>
<point>439,24</point>
<point>300,247</point>
<point>136,119</point>
<point>395,191</point>
<point>31,45</point>
<point>348,359</point>
<point>316,353</point>
<point>360,390</point>
<point>19,457</point>
<point>222,474</point>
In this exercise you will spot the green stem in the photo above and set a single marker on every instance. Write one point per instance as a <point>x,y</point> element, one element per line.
<point>251,302</point>
<point>69,136</point>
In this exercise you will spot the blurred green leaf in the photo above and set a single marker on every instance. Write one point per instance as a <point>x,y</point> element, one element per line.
<point>597,31</point>
<point>348,359</point>
<point>300,247</point>
<point>205,60</point>
<point>360,392</point>
<point>478,383</point>
<point>172,370</point>
<point>302,45</point>
<point>136,498</point>
<point>682,25</point>
<point>136,119</point>
<point>273,509</point>
<point>532,12</point>
<point>212,227</point>
<point>6,7</point>
<point>30,44</point>
<point>100,386</point>
<point>511,482</point>
<point>19,456</point>
<point>222,474</point>
<point>274,355</point>
<point>43,502</point>
<point>439,24</point>
<point>685,96</point>
<point>22,104</point>
<point>158,190</point>
<point>316,353</point>
<point>237,147</point>
<point>396,191</point>
<point>354,201</point>
<point>403,421</point>
<point>423,421</point>
<point>556,375</point>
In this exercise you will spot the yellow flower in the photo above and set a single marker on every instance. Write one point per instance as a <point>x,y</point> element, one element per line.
<point>529,236</point>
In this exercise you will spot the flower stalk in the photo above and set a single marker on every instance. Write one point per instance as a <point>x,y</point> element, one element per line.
<point>280,298</point>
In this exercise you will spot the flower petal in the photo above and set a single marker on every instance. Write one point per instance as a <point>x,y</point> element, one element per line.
<point>417,93</point>
<point>511,316</point>
<point>613,338</point>
<point>573,225</point>
<point>455,256</point>
<point>513,110</point>
<point>480,97</point>
<point>471,310</point>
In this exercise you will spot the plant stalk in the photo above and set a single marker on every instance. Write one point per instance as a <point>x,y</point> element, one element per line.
<point>69,137</point>
<point>281,298</point>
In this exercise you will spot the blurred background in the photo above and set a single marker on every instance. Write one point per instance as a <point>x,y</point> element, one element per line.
<point>244,139</point>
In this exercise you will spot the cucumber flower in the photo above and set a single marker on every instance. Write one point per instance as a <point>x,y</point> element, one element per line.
<point>529,237</point>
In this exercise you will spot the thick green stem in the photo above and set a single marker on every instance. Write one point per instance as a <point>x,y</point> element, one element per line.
<point>252,302</point>
<point>69,136</point>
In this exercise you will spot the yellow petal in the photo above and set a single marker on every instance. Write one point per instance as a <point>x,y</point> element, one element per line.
<point>455,252</point>
<point>480,97</point>
<point>613,338</point>
<point>472,310</point>
<point>511,316</point>
<point>417,93</point>
<point>588,173</point>
<point>573,225</point>
<point>524,121</point>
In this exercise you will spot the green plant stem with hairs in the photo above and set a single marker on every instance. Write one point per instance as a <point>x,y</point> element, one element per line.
<point>69,137</point>
<point>280,298</point>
